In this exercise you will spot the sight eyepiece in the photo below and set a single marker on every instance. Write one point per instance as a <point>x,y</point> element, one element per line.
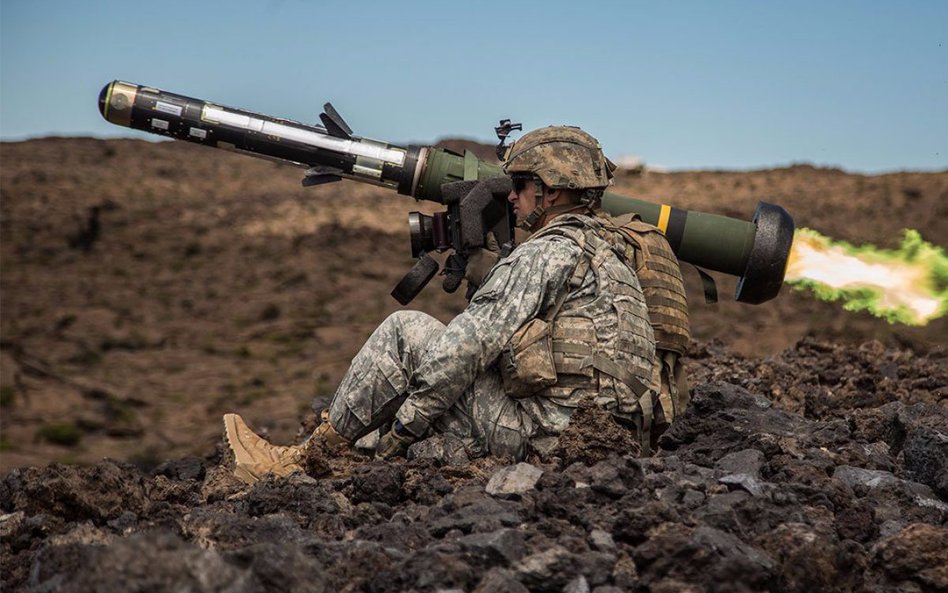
<point>428,233</point>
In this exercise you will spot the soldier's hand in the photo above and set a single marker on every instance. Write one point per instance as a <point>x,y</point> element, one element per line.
<point>394,443</point>
<point>481,261</point>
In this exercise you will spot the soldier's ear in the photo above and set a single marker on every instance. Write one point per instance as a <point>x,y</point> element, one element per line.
<point>551,195</point>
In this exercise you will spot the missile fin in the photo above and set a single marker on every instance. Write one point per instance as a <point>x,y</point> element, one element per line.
<point>320,175</point>
<point>335,125</point>
<point>320,179</point>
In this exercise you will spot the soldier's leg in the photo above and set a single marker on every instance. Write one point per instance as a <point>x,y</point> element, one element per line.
<point>487,420</point>
<point>370,393</point>
<point>377,381</point>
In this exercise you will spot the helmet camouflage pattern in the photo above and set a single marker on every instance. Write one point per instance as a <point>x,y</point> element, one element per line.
<point>563,157</point>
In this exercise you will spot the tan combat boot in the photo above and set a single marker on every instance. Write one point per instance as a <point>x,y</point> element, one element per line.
<point>255,457</point>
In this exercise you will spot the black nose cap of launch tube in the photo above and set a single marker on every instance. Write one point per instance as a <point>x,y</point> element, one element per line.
<point>767,262</point>
<point>103,96</point>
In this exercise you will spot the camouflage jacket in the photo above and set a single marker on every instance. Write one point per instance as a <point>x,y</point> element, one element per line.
<point>522,287</point>
<point>519,288</point>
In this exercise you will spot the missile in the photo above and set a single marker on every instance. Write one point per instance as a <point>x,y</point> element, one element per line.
<point>330,150</point>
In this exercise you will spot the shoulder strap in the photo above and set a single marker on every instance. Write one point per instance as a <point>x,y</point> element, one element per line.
<point>575,280</point>
<point>573,228</point>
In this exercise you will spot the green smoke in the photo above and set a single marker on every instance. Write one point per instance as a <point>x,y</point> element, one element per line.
<point>908,285</point>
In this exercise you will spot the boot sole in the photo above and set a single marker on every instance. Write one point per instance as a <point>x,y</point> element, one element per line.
<point>242,457</point>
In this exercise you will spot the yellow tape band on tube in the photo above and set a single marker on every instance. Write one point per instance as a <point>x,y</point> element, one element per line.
<point>663,218</point>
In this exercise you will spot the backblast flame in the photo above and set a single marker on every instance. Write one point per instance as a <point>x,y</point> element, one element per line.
<point>908,285</point>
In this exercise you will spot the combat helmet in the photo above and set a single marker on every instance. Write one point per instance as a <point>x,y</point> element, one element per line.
<point>563,157</point>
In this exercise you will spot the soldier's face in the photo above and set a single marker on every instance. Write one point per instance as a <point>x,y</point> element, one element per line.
<point>524,198</point>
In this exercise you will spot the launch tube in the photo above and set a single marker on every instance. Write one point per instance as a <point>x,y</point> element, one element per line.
<point>755,251</point>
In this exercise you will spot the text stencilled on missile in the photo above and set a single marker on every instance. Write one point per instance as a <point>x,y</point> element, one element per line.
<point>168,108</point>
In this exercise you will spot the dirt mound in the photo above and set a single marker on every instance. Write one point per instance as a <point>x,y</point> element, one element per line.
<point>742,495</point>
<point>592,436</point>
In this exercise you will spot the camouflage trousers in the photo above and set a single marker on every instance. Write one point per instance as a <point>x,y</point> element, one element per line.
<point>380,376</point>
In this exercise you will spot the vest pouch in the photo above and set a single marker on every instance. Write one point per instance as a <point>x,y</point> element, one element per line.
<point>526,365</point>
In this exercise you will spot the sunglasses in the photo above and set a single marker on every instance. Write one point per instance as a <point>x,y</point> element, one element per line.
<point>519,182</point>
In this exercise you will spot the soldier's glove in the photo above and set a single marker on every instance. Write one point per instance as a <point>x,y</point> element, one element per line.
<point>481,261</point>
<point>395,442</point>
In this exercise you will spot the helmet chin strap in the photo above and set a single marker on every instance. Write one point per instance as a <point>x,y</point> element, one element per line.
<point>532,221</point>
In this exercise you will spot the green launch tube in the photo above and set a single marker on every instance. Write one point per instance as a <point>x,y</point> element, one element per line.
<point>755,251</point>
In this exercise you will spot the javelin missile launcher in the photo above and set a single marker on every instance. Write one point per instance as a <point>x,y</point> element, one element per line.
<point>756,251</point>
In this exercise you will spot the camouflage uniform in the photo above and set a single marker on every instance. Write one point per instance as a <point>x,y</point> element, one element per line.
<point>563,319</point>
<point>446,378</point>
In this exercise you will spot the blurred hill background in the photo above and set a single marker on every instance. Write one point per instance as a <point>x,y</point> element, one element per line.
<point>214,282</point>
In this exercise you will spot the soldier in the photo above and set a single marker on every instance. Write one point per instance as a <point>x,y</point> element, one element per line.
<point>560,321</point>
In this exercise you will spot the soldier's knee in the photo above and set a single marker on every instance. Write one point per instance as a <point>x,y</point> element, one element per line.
<point>407,318</point>
<point>413,323</point>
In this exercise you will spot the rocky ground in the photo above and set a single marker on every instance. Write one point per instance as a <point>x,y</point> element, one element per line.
<point>850,493</point>
<point>814,455</point>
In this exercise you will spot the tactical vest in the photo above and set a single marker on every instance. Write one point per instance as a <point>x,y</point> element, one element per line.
<point>644,248</point>
<point>659,273</point>
<point>602,344</point>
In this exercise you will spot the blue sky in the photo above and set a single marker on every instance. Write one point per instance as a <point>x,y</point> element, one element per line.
<point>857,84</point>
